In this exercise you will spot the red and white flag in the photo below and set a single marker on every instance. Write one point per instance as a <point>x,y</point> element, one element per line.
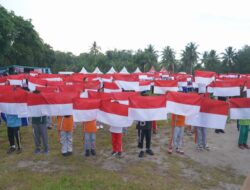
<point>14,102</point>
<point>16,79</point>
<point>144,86</point>
<point>182,103</point>
<point>111,87</point>
<point>239,108</point>
<point>204,77</point>
<point>127,82</point>
<point>36,105</point>
<point>85,109</point>
<point>3,81</point>
<point>213,114</point>
<point>100,95</point>
<point>114,114</point>
<point>247,88</point>
<point>147,108</point>
<point>35,82</point>
<point>225,88</point>
<point>163,86</point>
<point>59,104</point>
<point>122,97</point>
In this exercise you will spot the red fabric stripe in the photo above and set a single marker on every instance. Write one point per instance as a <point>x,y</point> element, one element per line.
<point>229,83</point>
<point>60,98</point>
<point>214,106</point>
<point>110,85</point>
<point>144,83</point>
<point>126,77</point>
<point>100,95</point>
<point>184,98</point>
<point>14,96</point>
<point>114,108</point>
<point>147,102</point>
<point>123,95</point>
<point>35,99</point>
<point>205,74</point>
<point>166,83</point>
<point>86,103</point>
<point>239,102</point>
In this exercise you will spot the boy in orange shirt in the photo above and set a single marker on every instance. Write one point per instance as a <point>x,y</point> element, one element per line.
<point>65,126</point>
<point>89,130</point>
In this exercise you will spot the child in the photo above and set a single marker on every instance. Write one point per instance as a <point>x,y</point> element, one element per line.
<point>89,130</point>
<point>65,126</point>
<point>243,136</point>
<point>116,133</point>
<point>201,139</point>
<point>144,131</point>
<point>179,124</point>
<point>13,128</point>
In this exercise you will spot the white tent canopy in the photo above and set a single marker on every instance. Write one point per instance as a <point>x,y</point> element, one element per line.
<point>137,70</point>
<point>124,71</point>
<point>84,71</point>
<point>111,71</point>
<point>97,71</point>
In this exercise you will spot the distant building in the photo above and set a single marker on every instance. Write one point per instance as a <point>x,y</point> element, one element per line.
<point>16,69</point>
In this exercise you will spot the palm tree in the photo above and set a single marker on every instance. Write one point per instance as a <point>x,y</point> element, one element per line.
<point>211,61</point>
<point>189,56</point>
<point>168,58</point>
<point>94,50</point>
<point>151,56</point>
<point>228,58</point>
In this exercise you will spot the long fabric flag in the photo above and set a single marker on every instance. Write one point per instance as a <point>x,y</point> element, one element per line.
<point>183,103</point>
<point>114,114</point>
<point>163,86</point>
<point>37,105</point>
<point>85,109</point>
<point>127,82</point>
<point>147,108</point>
<point>204,77</point>
<point>239,108</point>
<point>13,101</point>
<point>226,88</point>
<point>144,86</point>
<point>111,87</point>
<point>123,97</point>
<point>213,114</point>
<point>33,83</point>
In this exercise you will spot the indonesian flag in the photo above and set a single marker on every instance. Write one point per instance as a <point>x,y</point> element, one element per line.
<point>92,85</point>
<point>111,87</point>
<point>127,82</point>
<point>35,82</point>
<point>114,114</point>
<point>14,102</point>
<point>85,109</point>
<point>122,97</point>
<point>59,104</point>
<point>213,114</point>
<point>204,77</point>
<point>47,89</point>
<point>163,86</point>
<point>36,105</point>
<point>147,108</point>
<point>227,88</point>
<point>239,108</point>
<point>16,79</point>
<point>144,86</point>
<point>182,103</point>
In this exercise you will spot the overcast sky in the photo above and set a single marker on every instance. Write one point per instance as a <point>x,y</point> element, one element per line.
<point>73,25</point>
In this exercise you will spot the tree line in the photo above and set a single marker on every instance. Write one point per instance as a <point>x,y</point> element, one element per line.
<point>20,44</point>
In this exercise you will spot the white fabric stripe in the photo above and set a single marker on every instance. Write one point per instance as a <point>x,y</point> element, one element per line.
<point>107,90</point>
<point>163,90</point>
<point>203,80</point>
<point>182,109</point>
<point>127,85</point>
<point>207,120</point>
<point>226,91</point>
<point>144,88</point>
<point>84,115</point>
<point>51,109</point>
<point>248,93</point>
<point>19,109</point>
<point>239,113</point>
<point>53,79</point>
<point>113,119</point>
<point>141,114</point>
<point>15,82</point>
<point>32,86</point>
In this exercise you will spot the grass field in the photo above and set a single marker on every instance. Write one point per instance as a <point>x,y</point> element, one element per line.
<point>54,172</point>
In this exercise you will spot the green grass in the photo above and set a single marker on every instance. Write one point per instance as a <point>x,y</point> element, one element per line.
<point>54,172</point>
